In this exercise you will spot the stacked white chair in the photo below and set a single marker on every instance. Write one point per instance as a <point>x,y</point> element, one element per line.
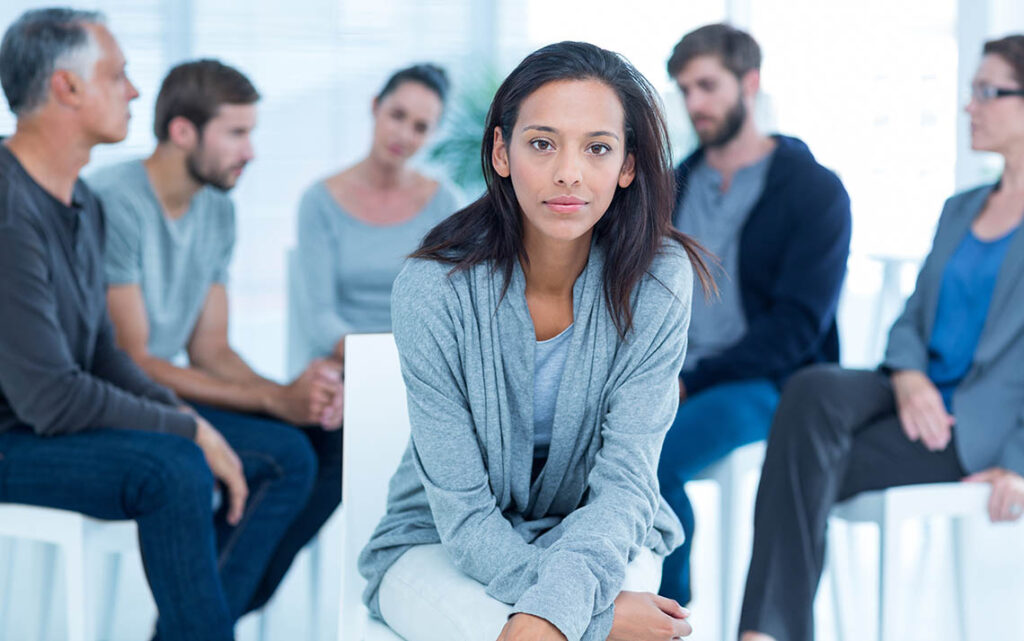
<point>889,510</point>
<point>85,545</point>
<point>736,478</point>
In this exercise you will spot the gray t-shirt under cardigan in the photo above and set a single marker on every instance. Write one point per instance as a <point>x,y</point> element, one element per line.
<point>557,546</point>
<point>549,363</point>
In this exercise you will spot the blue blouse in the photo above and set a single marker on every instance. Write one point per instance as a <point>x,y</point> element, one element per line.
<point>967,285</point>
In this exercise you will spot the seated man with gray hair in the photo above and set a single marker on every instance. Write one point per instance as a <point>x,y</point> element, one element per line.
<point>81,426</point>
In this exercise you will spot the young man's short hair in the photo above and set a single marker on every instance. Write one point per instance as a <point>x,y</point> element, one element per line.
<point>737,49</point>
<point>196,90</point>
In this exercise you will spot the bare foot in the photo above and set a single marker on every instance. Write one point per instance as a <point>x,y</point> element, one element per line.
<point>755,636</point>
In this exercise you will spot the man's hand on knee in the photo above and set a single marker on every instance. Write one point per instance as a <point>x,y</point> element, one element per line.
<point>226,467</point>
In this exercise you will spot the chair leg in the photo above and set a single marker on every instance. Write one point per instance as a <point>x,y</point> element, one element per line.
<point>728,486</point>
<point>836,538</point>
<point>263,631</point>
<point>959,534</point>
<point>107,602</point>
<point>315,592</point>
<point>7,577</point>
<point>48,554</point>
<point>888,574</point>
<point>74,573</point>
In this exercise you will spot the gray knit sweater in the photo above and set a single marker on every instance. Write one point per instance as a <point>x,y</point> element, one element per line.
<point>556,548</point>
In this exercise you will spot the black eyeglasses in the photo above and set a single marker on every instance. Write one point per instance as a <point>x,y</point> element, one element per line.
<point>985,93</point>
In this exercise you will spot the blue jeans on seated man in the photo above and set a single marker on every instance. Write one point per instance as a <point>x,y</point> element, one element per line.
<point>202,572</point>
<point>323,499</point>
<point>708,426</point>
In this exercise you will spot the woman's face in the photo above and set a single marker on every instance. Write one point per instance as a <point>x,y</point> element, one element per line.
<point>403,120</point>
<point>566,156</point>
<point>997,123</point>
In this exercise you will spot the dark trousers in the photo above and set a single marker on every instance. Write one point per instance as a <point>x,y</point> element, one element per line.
<point>202,572</point>
<point>835,434</point>
<point>323,499</point>
<point>707,427</point>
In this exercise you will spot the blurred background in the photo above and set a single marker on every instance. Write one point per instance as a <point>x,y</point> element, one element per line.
<point>875,87</point>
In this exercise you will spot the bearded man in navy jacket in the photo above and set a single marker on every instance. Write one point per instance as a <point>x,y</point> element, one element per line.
<point>779,223</point>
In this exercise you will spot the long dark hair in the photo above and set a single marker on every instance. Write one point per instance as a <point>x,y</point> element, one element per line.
<point>639,217</point>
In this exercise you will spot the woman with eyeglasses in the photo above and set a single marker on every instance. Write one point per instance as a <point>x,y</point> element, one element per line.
<point>947,404</point>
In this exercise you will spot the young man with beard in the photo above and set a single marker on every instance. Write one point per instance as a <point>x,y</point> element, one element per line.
<point>81,427</point>
<point>779,223</point>
<point>170,236</point>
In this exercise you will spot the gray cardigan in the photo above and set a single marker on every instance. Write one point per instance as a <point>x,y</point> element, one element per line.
<point>989,402</point>
<point>556,548</point>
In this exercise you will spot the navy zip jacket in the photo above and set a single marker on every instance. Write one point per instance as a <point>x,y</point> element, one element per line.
<point>792,260</point>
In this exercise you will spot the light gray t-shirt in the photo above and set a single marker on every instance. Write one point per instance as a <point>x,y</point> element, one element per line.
<point>175,262</point>
<point>348,265</point>
<point>716,218</point>
<point>548,364</point>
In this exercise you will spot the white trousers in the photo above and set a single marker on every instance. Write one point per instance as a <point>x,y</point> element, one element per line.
<point>423,597</point>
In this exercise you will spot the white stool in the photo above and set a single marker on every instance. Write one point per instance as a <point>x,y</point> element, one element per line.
<point>85,543</point>
<point>889,510</point>
<point>736,477</point>
<point>376,435</point>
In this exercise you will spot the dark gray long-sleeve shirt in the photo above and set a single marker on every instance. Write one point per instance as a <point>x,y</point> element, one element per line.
<point>60,369</point>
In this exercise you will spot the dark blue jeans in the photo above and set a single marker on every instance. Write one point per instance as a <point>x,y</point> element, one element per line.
<point>324,497</point>
<point>202,572</point>
<point>708,426</point>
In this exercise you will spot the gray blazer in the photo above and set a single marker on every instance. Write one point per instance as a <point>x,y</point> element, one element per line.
<point>989,402</point>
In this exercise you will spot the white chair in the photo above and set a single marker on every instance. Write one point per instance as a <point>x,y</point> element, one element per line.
<point>736,477</point>
<point>85,543</point>
<point>889,510</point>
<point>376,434</point>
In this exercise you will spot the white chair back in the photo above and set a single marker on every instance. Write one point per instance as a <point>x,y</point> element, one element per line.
<point>376,435</point>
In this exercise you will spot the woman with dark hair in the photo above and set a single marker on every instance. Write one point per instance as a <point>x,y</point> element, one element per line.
<point>541,330</point>
<point>357,226</point>
<point>947,404</point>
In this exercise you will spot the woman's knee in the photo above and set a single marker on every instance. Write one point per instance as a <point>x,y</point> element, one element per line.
<point>424,597</point>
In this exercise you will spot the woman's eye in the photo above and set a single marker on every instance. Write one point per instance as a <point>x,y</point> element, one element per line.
<point>540,145</point>
<point>599,149</point>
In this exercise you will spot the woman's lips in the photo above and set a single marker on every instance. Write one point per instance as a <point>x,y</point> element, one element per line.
<point>565,204</point>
